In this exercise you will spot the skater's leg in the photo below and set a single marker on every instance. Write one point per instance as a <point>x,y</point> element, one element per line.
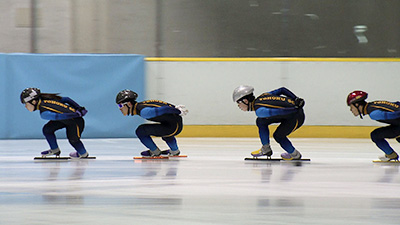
<point>281,133</point>
<point>263,130</point>
<point>79,147</point>
<point>143,132</point>
<point>378,137</point>
<point>284,142</point>
<point>171,142</point>
<point>74,132</point>
<point>49,130</point>
<point>286,127</point>
<point>170,126</point>
<point>173,146</point>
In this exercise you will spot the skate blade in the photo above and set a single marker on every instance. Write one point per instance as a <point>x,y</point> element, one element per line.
<point>166,154</point>
<point>390,161</point>
<point>178,156</point>
<point>60,158</point>
<point>264,159</point>
<point>151,158</point>
<point>277,159</point>
<point>52,158</point>
<point>89,157</point>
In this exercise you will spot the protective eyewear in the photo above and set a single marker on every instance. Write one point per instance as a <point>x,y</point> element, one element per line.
<point>122,104</point>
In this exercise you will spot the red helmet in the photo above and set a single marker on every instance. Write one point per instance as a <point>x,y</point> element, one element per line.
<point>356,96</point>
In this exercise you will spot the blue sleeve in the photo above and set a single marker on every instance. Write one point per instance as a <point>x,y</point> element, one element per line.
<point>48,115</point>
<point>70,102</point>
<point>283,91</point>
<point>270,112</point>
<point>151,112</point>
<point>384,115</point>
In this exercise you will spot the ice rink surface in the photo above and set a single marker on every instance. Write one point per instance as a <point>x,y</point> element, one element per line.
<point>214,185</point>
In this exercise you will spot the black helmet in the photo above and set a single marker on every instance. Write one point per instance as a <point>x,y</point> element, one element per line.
<point>126,95</point>
<point>29,94</point>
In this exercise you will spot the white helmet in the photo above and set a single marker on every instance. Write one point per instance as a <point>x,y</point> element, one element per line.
<point>241,91</point>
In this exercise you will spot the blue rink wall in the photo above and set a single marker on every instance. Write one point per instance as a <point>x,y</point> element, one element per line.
<point>92,80</point>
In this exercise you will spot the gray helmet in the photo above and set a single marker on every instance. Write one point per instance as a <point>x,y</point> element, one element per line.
<point>241,91</point>
<point>29,94</point>
<point>126,95</point>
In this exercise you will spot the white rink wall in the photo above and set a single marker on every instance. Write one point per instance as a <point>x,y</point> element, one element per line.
<point>205,87</point>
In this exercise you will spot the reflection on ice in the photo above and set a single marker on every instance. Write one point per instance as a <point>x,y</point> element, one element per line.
<point>214,185</point>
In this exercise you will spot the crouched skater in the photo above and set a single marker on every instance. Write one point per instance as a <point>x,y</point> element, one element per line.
<point>62,112</point>
<point>168,120</point>
<point>277,106</point>
<point>381,111</point>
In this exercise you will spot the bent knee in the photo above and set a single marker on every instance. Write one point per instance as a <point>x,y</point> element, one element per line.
<point>141,131</point>
<point>375,136</point>
<point>47,130</point>
<point>260,122</point>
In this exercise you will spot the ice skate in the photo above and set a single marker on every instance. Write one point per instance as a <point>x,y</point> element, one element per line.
<point>149,153</point>
<point>391,157</point>
<point>50,152</point>
<point>265,150</point>
<point>165,152</point>
<point>170,152</point>
<point>174,153</point>
<point>76,155</point>
<point>291,156</point>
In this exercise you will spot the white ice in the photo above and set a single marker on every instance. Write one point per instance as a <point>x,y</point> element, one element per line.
<point>214,185</point>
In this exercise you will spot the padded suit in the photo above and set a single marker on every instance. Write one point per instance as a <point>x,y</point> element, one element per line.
<point>168,123</point>
<point>62,114</point>
<point>278,106</point>
<point>384,112</point>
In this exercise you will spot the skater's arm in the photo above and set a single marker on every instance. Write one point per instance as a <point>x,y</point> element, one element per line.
<point>48,115</point>
<point>70,102</point>
<point>270,112</point>
<point>151,112</point>
<point>384,115</point>
<point>283,91</point>
<point>75,105</point>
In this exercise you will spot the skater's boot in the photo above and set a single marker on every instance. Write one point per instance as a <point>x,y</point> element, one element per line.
<point>165,152</point>
<point>170,152</point>
<point>291,156</point>
<point>49,152</point>
<point>265,150</point>
<point>149,153</point>
<point>174,153</point>
<point>76,155</point>
<point>393,156</point>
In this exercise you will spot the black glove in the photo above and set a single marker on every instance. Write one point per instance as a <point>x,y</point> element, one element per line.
<point>299,103</point>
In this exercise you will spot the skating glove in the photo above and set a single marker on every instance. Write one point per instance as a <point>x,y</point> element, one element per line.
<point>82,111</point>
<point>183,110</point>
<point>299,103</point>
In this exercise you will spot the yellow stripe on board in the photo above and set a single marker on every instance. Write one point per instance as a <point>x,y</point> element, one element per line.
<point>252,131</point>
<point>277,59</point>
